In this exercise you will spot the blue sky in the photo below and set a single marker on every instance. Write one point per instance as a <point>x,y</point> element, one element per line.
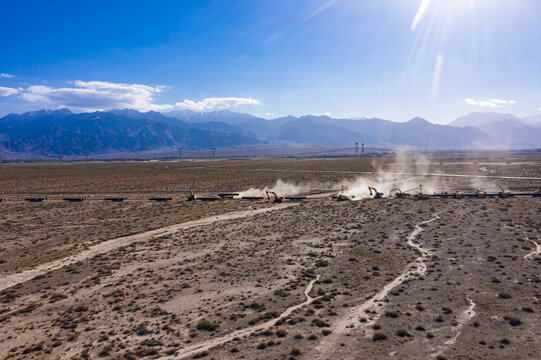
<point>393,59</point>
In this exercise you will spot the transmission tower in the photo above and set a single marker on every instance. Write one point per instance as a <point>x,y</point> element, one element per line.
<point>86,155</point>
<point>213,152</point>
<point>180,149</point>
<point>356,150</point>
<point>61,157</point>
<point>362,149</point>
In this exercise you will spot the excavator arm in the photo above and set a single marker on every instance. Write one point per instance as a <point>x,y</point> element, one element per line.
<point>277,199</point>
<point>376,194</point>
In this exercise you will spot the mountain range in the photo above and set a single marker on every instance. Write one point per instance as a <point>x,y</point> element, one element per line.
<point>52,132</point>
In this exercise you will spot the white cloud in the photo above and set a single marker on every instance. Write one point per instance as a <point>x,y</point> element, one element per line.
<point>216,103</point>
<point>493,103</point>
<point>96,95</point>
<point>6,76</point>
<point>539,109</point>
<point>101,95</point>
<point>4,91</point>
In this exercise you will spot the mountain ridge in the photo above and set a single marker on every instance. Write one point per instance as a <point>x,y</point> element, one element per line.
<point>49,132</point>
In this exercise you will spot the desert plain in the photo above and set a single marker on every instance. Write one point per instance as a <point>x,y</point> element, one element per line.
<point>389,278</point>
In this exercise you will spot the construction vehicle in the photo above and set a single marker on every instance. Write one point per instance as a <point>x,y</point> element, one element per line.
<point>376,195</point>
<point>421,195</point>
<point>191,197</point>
<point>480,194</point>
<point>399,194</point>
<point>503,194</point>
<point>277,199</point>
<point>341,196</point>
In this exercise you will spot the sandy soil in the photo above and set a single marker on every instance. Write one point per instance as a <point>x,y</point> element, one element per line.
<point>370,279</point>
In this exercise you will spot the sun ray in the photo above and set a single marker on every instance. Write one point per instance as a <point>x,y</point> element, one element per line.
<point>420,13</point>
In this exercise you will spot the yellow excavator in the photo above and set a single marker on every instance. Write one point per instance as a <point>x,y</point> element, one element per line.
<point>503,193</point>
<point>480,194</point>
<point>421,195</point>
<point>341,196</point>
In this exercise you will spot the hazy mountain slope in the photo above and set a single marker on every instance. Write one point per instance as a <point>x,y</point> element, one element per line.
<point>417,133</point>
<point>533,120</point>
<point>501,126</point>
<point>309,131</point>
<point>422,134</point>
<point>505,131</point>
<point>225,116</point>
<point>528,137</point>
<point>481,118</point>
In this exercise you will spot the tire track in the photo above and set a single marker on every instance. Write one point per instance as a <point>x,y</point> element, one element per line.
<point>104,247</point>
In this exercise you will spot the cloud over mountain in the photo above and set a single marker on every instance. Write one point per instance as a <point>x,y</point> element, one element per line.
<point>95,95</point>
<point>5,91</point>
<point>103,95</point>
<point>216,103</point>
<point>493,103</point>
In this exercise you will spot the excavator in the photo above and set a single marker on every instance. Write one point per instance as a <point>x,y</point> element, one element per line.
<point>421,195</point>
<point>191,197</point>
<point>341,196</point>
<point>400,194</point>
<point>376,195</point>
<point>277,199</point>
<point>503,193</point>
<point>480,194</point>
